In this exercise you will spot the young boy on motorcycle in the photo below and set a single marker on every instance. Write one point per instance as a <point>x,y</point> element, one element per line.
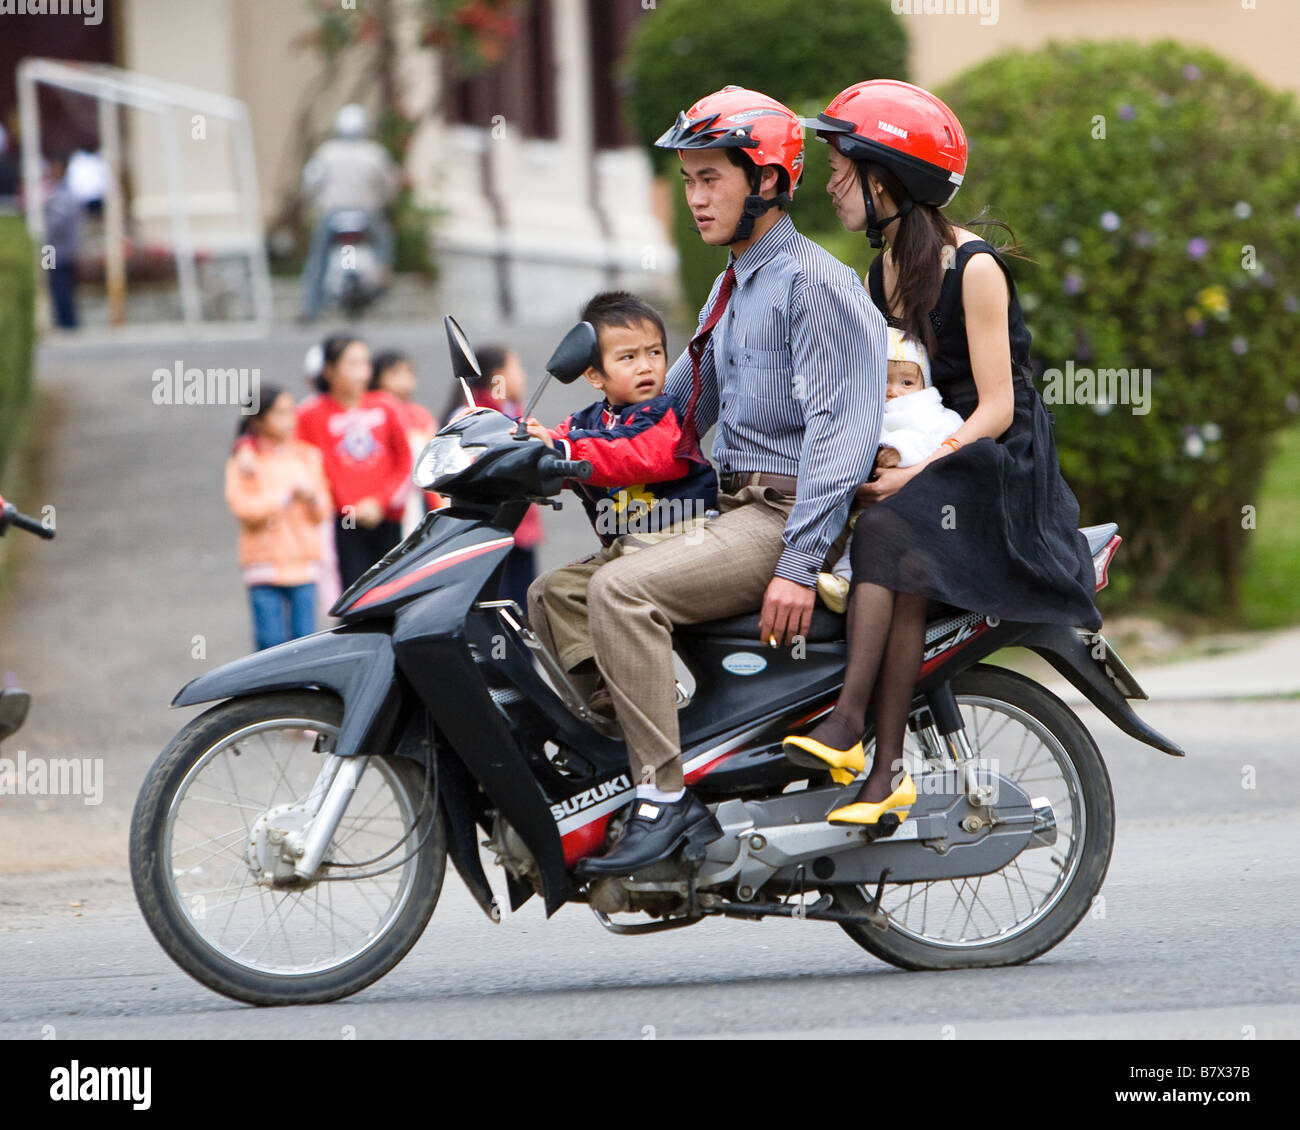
<point>649,479</point>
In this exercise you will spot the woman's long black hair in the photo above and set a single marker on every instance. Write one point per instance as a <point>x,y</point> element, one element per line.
<point>917,247</point>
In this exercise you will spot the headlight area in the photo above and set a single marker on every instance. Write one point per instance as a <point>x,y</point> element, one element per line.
<point>445,455</point>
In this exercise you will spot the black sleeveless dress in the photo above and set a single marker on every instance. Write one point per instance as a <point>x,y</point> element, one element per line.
<point>992,527</point>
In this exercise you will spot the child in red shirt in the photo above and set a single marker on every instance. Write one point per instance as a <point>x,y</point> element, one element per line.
<point>394,374</point>
<point>366,457</point>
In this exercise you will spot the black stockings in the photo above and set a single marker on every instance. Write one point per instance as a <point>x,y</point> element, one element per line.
<point>885,637</point>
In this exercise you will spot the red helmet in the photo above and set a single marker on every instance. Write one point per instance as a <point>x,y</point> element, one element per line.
<point>733,117</point>
<point>902,127</point>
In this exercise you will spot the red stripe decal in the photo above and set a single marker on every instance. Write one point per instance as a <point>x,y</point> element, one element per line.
<point>382,592</point>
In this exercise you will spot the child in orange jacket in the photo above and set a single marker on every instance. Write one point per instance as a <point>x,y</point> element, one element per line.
<point>276,487</point>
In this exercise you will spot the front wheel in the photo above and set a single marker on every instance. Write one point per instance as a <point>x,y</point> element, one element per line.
<point>1028,735</point>
<point>219,798</point>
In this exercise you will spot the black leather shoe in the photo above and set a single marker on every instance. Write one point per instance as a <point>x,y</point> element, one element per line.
<point>654,830</point>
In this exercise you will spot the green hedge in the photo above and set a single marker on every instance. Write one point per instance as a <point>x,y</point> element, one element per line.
<point>1157,189</point>
<point>17,321</point>
<point>798,52</point>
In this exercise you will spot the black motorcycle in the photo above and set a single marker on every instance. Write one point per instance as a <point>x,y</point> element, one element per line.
<point>14,703</point>
<point>290,843</point>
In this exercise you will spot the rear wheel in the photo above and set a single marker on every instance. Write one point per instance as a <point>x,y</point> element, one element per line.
<point>222,792</point>
<point>1017,913</point>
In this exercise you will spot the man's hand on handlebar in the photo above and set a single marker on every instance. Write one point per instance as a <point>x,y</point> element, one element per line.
<point>787,612</point>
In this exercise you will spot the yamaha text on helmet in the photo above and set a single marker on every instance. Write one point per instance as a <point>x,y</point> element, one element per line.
<point>904,129</point>
<point>735,118</point>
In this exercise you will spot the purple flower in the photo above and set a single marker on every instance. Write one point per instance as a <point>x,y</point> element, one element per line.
<point>1197,247</point>
<point>1126,112</point>
<point>1073,283</point>
<point>1143,238</point>
<point>1196,329</point>
<point>1291,303</point>
<point>1191,72</point>
<point>1292,403</point>
<point>1110,221</point>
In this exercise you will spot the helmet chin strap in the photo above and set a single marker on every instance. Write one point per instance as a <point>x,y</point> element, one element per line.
<point>754,207</point>
<point>875,224</point>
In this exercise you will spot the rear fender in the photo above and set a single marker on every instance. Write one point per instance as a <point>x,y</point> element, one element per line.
<point>1071,656</point>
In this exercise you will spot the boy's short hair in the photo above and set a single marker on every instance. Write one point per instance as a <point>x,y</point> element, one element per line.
<point>621,308</point>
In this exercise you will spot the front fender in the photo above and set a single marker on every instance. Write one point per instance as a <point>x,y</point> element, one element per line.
<point>354,663</point>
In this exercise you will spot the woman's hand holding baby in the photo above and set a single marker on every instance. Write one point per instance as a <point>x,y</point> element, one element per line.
<point>884,483</point>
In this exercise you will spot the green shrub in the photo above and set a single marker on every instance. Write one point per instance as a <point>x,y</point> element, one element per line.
<point>800,53</point>
<point>1157,189</point>
<point>17,320</point>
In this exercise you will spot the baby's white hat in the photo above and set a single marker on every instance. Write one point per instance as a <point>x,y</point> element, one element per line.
<point>904,347</point>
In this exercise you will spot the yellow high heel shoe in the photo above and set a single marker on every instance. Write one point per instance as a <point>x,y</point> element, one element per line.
<point>844,764</point>
<point>899,802</point>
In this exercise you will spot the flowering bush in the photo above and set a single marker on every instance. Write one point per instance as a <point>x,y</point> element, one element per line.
<point>1157,189</point>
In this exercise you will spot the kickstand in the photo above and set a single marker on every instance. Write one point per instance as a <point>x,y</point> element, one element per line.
<point>874,905</point>
<point>694,856</point>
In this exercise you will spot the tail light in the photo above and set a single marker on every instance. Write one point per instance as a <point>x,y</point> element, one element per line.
<point>1101,561</point>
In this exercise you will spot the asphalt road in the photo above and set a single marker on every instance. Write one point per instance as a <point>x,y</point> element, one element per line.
<point>1195,938</point>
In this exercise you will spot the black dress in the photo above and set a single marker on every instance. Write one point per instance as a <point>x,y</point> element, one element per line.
<point>992,527</point>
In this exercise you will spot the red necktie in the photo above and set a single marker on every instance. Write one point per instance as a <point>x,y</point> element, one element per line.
<point>696,349</point>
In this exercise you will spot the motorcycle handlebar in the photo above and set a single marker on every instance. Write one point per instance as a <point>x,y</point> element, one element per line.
<point>10,516</point>
<point>569,468</point>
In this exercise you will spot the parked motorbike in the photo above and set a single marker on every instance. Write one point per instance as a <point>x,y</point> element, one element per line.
<point>290,844</point>
<point>14,703</point>
<point>354,275</point>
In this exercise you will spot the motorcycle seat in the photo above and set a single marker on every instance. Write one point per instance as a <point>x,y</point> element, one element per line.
<point>1098,536</point>
<point>827,627</point>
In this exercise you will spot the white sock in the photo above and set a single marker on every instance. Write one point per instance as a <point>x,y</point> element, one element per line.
<point>649,792</point>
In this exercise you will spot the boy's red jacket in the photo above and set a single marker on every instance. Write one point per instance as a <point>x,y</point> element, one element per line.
<point>634,471</point>
<point>364,449</point>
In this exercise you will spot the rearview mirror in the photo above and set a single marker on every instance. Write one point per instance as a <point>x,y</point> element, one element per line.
<point>464,364</point>
<point>575,354</point>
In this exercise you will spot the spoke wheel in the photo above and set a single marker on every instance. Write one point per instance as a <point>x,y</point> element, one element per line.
<point>209,817</point>
<point>1029,736</point>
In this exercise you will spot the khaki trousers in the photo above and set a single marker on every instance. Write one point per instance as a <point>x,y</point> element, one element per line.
<point>719,569</point>
<point>557,600</point>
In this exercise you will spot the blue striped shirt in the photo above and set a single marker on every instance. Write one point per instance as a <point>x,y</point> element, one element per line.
<point>795,382</point>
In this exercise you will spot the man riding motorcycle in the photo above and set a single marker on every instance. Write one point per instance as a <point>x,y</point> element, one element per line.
<point>349,172</point>
<point>789,361</point>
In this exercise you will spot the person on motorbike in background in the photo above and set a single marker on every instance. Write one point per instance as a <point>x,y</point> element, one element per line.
<point>348,172</point>
<point>794,377</point>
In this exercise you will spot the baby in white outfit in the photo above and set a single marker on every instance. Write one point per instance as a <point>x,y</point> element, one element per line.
<point>915,423</point>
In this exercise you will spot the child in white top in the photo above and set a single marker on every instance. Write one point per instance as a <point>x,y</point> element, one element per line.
<point>915,423</point>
